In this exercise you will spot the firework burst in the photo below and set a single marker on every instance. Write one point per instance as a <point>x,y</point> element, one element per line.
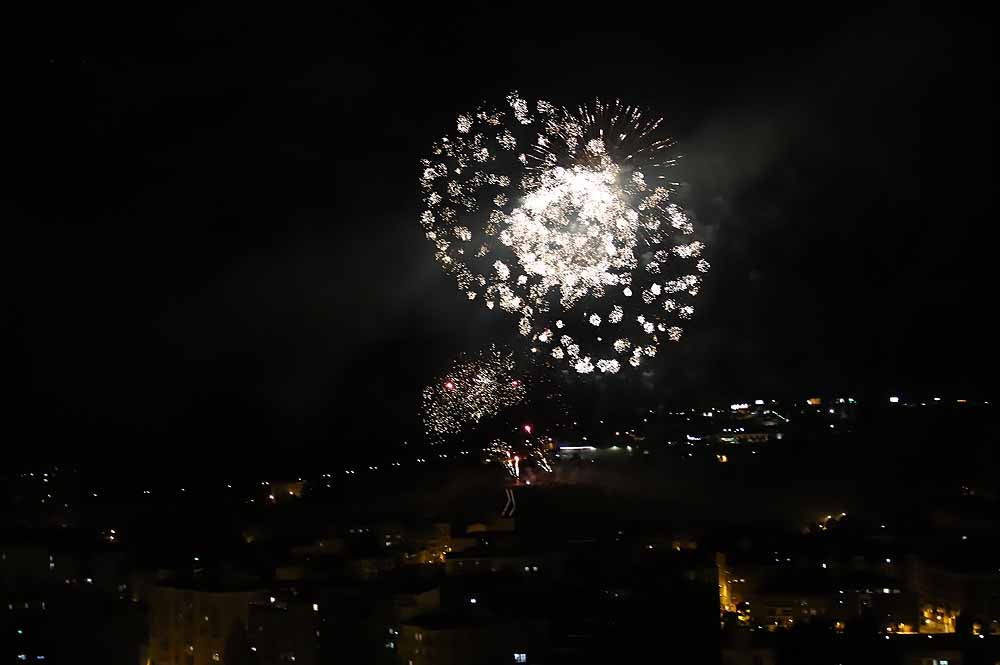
<point>511,457</point>
<point>473,389</point>
<point>502,453</point>
<point>566,220</point>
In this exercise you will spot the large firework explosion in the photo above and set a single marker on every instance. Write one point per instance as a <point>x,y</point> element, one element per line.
<point>567,221</point>
<point>474,388</point>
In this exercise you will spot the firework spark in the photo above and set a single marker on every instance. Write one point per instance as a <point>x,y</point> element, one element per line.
<point>511,457</point>
<point>502,453</point>
<point>474,388</point>
<point>566,219</point>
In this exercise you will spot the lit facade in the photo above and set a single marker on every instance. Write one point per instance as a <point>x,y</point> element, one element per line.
<point>191,626</point>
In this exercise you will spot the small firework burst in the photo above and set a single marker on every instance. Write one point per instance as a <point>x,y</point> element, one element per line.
<point>474,388</point>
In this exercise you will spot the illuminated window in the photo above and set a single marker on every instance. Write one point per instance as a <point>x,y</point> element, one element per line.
<point>520,657</point>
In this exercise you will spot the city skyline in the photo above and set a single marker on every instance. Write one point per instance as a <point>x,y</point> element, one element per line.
<point>499,335</point>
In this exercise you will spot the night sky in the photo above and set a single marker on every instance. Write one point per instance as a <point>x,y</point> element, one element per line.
<point>221,251</point>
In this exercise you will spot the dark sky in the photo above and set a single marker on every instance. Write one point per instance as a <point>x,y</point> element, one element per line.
<point>221,249</point>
